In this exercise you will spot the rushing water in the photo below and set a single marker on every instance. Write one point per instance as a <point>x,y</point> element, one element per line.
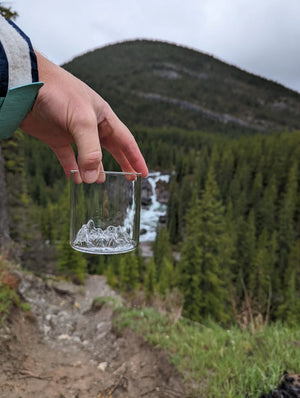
<point>150,214</point>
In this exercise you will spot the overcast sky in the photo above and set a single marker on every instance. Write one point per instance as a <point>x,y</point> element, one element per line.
<point>260,36</point>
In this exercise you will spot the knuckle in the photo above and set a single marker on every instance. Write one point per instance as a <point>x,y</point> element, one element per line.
<point>91,160</point>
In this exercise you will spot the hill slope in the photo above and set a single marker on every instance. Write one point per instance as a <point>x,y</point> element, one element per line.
<point>159,84</point>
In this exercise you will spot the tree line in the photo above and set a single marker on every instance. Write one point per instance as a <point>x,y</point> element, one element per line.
<point>233,215</point>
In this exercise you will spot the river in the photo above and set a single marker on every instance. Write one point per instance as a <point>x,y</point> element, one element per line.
<point>150,214</point>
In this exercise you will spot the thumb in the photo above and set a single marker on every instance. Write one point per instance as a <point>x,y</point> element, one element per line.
<point>89,155</point>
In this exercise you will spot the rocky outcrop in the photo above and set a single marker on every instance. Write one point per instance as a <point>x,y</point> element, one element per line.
<point>162,192</point>
<point>146,192</point>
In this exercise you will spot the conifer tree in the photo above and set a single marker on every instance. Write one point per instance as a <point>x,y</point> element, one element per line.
<point>7,12</point>
<point>150,279</point>
<point>166,278</point>
<point>289,309</point>
<point>225,173</point>
<point>266,210</point>
<point>260,277</point>
<point>202,276</point>
<point>184,196</point>
<point>256,190</point>
<point>97,265</point>
<point>129,275</point>
<point>110,274</point>
<point>286,234</point>
<point>71,260</point>
<point>173,222</point>
<point>141,264</point>
<point>246,245</point>
<point>161,250</point>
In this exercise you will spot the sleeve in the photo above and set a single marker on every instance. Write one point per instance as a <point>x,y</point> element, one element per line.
<point>19,81</point>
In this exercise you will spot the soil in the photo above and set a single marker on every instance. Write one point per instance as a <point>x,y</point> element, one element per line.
<point>67,348</point>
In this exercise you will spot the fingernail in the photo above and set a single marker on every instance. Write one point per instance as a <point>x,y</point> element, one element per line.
<point>90,176</point>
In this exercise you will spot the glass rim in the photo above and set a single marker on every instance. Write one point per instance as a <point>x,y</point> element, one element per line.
<point>113,172</point>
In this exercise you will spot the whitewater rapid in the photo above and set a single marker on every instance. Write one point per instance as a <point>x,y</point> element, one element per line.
<point>150,214</point>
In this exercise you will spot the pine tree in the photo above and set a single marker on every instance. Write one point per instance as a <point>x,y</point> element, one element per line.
<point>289,309</point>
<point>166,278</point>
<point>162,250</point>
<point>150,279</point>
<point>70,260</point>
<point>246,245</point>
<point>7,12</point>
<point>173,218</point>
<point>129,275</point>
<point>202,269</point>
<point>260,273</point>
<point>110,274</point>
<point>286,233</point>
<point>266,210</point>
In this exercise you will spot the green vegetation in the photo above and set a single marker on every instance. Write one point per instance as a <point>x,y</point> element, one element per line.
<point>114,302</point>
<point>8,293</point>
<point>157,84</point>
<point>218,362</point>
<point>233,214</point>
<point>7,12</point>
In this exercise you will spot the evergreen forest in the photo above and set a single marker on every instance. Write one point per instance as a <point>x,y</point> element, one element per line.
<point>234,205</point>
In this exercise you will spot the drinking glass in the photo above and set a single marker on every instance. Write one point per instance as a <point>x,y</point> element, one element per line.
<point>105,215</point>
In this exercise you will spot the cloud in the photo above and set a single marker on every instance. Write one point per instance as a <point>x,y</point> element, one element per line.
<point>261,36</point>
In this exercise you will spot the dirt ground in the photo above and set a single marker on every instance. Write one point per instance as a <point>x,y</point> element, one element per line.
<point>64,348</point>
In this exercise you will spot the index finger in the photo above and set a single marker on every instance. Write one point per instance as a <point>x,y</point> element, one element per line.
<point>122,145</point>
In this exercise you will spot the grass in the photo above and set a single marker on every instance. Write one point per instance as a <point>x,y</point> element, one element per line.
<point>220,363</point>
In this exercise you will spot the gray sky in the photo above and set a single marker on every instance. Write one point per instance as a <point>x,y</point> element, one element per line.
<point>260,36</point>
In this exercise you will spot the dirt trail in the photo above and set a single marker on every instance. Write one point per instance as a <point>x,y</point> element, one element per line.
<point>67,349</point>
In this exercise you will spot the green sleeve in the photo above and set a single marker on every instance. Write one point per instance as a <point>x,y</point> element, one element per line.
<point>15,106</point>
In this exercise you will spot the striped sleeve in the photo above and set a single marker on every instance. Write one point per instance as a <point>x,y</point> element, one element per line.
<point>17,57</point>
<point>18,77</point>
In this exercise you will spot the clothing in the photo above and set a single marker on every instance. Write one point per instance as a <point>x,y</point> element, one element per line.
<point>19,82</point>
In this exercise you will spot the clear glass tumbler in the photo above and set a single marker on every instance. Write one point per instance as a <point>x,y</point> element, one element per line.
<point>105,216</point>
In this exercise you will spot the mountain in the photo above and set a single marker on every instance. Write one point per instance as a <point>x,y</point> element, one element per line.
<point>158,84</point>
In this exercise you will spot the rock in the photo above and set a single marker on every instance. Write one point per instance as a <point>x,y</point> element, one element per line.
<point>146,201</point>
<point>146,248</point>
<point>65,288</point>
<point>102,366</point>
<point>162,192</point>
<point>146,193</point>
<point>63,337</point>
<point>163,219</point>
<point>46,329</point>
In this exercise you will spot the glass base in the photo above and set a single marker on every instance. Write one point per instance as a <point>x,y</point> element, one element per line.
<point>104,250</point>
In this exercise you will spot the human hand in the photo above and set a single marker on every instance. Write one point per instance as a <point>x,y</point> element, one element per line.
<point>66,110</point>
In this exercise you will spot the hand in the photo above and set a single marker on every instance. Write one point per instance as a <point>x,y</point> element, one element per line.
<point>66,110</point>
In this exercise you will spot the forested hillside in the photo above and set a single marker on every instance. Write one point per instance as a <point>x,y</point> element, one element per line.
<point>156,84</point>
<point>231,140</point>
